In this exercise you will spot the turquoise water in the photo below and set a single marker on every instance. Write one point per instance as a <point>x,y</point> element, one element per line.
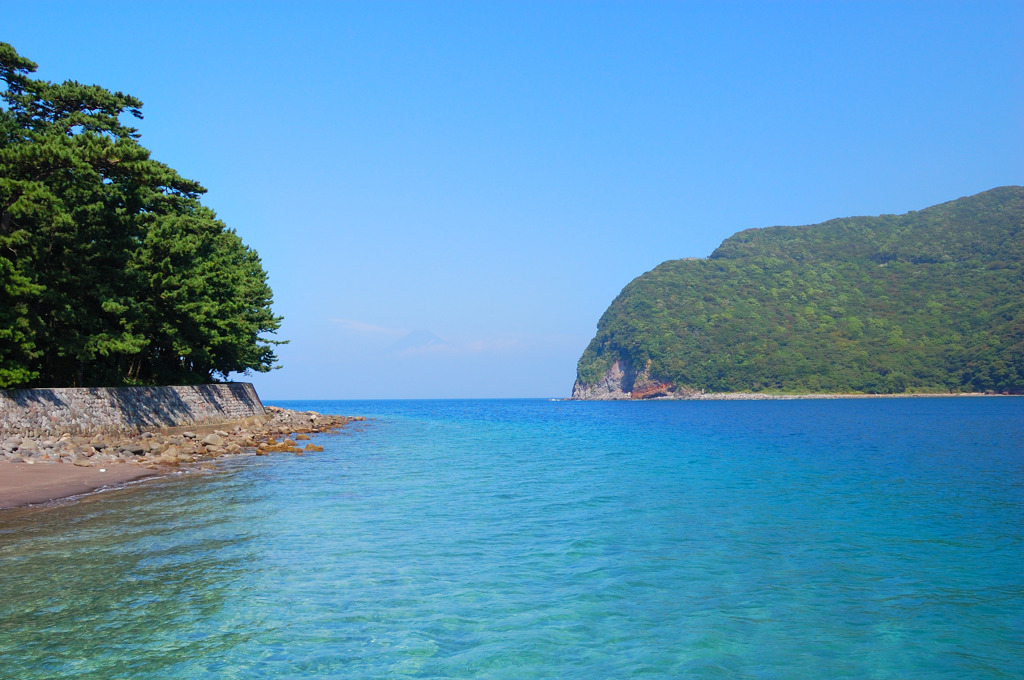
<point>536,539</point>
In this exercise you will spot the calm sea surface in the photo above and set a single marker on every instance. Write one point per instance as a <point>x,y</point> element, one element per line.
<point>534,539</point>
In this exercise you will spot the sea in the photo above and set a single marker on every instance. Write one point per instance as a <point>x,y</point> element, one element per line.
<point>846,538</point>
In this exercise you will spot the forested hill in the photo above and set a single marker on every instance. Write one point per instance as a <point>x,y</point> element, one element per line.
<point>929,301</point>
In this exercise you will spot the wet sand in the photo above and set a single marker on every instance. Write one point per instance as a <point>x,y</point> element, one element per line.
<point>24,483</point>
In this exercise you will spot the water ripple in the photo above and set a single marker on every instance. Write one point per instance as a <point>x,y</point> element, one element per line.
<point>535,539</point>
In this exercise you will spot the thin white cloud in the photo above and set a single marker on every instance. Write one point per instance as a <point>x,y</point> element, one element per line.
<point>368,328</point>
<point>430,350</point>
<point>402,343</point>
<point>471,347</point>
<point>494,345</point>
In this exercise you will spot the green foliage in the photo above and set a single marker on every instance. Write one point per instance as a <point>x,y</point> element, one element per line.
<point>930,301</point>
<point>111,270</point>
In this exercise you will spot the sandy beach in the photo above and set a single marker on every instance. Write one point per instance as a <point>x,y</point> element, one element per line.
<point>25,483</point>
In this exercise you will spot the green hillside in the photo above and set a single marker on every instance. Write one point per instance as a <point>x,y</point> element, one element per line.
<point>929,301</point>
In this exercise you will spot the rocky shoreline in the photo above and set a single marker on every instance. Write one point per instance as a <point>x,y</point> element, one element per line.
<point>769,396</point>
<point>766,396</point>
<point>622,382</point>
<point>156,452</point>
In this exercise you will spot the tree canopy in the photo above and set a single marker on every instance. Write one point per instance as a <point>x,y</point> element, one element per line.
<point>929,301</point>
<point>112,272</point>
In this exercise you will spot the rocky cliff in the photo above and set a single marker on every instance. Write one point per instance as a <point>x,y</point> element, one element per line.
<point>622,381</point>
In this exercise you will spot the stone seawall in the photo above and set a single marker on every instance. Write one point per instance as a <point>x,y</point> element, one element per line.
<point>74,410</point>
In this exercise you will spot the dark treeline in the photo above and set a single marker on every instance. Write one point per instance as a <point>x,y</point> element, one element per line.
<point>930,301</point>
<point>111,270</point>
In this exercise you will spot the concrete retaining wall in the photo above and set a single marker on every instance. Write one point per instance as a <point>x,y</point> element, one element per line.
<point>74,410</point>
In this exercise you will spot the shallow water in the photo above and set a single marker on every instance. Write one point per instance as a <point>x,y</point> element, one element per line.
<point>516,539</point>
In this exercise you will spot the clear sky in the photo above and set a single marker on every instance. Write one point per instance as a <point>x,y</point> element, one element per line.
<point>447,196</point>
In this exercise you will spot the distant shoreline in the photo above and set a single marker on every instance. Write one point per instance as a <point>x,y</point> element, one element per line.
<point>726,396</point>
<point>765,396</point>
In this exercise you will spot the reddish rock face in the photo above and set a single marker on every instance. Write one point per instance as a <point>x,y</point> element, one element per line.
<point>623,381</point>
<point>651,390</point>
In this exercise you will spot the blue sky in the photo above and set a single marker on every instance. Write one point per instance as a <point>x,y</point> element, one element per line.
<point>448,195</point>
